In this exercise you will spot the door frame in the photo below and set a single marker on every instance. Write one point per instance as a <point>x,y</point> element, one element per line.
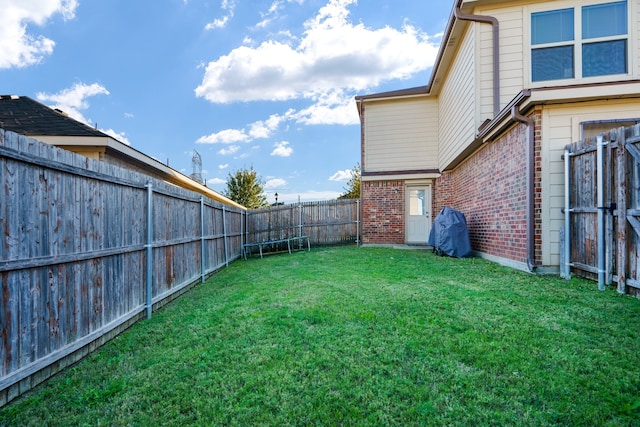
<point>427,186</point>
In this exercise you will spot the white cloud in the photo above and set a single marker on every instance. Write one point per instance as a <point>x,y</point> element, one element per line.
<point>265,67</point>
<point>264,128</point>
<point>333,60</point>
<point>282,149</point>
<point>217,23</point>
<point>332,53</point>
<point>223,166</point>
<point>257,130</point>
<point>232,149</point>
<point>74,99</point>
<point>330,108</point>
<point>273,12</point>
<point>277,4</point>
<point>264,23</point>
<point>216,181</point>
<point>19,47</point>
<point>128,115</point>
<point>227,136</point>
<point>120,136</point>
<point>344,175</point>
<point>228,6</point>
<point>270,15</point>
<point>275,183</point>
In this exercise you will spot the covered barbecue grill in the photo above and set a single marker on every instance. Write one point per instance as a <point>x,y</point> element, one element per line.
<point>449,234</point>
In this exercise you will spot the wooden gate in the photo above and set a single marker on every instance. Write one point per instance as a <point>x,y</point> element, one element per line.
<point>602,206</point>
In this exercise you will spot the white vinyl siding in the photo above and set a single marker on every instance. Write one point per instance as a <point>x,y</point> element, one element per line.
<point>401,135</point>
<point>466,97</point>
<point>561,126</point>
<point>457,102</point>
<point>511,64</point>
<point>511,58</point>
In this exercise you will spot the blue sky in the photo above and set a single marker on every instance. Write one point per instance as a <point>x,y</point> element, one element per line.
<point>247,83</point>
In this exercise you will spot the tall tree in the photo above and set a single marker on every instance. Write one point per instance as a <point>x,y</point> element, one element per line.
<point>352,190</point>
<point>244,186</point>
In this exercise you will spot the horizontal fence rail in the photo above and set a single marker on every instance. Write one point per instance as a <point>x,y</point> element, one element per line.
<point>88,249</point>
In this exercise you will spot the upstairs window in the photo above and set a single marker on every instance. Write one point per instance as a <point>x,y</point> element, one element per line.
<point>579,42</point>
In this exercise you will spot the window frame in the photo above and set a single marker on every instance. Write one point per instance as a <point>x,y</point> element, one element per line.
<point>577,43</point>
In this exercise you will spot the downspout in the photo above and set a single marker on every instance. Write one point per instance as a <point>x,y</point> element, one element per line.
<point>496,49</point>
<point>515,115</point>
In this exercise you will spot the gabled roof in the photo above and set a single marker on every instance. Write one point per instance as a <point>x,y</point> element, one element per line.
<point>23,115</point>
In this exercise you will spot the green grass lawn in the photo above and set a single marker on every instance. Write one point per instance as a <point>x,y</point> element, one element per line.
<point>362,336</point>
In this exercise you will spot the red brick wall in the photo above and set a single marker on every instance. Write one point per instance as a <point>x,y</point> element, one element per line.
<point>383,212</point>
<point>490,190</point>
<point>442,194</point>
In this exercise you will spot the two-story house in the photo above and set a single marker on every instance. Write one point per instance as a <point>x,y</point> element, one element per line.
<point>514,82</point>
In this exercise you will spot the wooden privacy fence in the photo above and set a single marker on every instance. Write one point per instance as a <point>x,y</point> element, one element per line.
<point>87,249</point>
<point>331,222</point>
<point>602,204</point>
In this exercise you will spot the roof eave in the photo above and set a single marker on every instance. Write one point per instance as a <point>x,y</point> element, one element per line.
<point>420,90</point>
<point>395,94</point>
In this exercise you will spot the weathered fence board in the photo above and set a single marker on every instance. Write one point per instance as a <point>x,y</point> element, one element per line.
<point>73,266</point>
<point>620,169</point>
<point>73,261</point>
<point>332,222</point>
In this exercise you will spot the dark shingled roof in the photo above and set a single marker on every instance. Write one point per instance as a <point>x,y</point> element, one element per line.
<point>23,115</point>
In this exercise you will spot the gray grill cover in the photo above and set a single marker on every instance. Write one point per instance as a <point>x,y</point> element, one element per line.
<point>449,234</point>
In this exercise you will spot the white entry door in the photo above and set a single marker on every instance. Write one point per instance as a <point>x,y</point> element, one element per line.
<point>418,214</point>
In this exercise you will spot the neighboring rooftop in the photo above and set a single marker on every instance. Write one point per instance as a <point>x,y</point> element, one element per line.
<point>23,115</point>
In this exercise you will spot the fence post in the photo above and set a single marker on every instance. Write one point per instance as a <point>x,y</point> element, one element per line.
<point>246,226</point>
<point>621,206</point>
<point>357,222</point>
<point>149,246</point>
<point>608,193</point>
<point>202,241</point>
<point>299,223</point>
<point>224,232</point>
